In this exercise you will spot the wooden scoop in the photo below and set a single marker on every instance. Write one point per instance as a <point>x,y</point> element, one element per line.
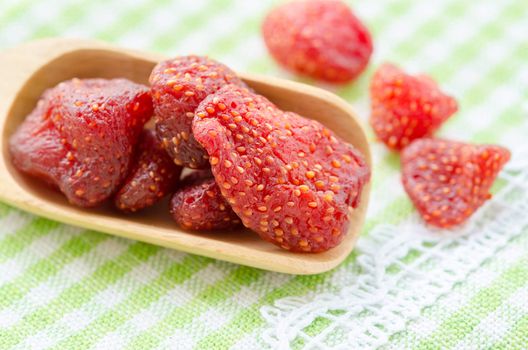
<point>26,71</point>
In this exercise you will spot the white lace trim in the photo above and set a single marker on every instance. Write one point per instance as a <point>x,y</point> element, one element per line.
<point>384,297</point>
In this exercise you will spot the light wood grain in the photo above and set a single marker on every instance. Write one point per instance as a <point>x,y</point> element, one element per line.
<point>26,71</point>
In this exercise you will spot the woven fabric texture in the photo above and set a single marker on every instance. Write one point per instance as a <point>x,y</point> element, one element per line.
<point>66,288</point>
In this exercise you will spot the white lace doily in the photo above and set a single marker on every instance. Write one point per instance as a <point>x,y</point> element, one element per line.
<point>404,268</point>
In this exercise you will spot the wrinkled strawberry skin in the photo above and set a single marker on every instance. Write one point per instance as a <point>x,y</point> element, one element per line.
<point>178,86</point>
<point>322,39</point>
<point>200,206</point>
<point>81,137</point>
<point>447,180</point>
<point>152,176</point>
<point>405,107</point>
<point>288,178</point>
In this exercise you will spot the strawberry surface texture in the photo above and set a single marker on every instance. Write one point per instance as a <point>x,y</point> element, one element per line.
<point>321,39</point>
<point>406,107</point>
<point>178,86</point>
<point>288,178</point>
<point>448,180</point>
<point>152,176</point>
<point>81,137</point>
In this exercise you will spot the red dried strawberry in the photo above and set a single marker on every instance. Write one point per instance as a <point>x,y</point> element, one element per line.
<point>81,136</point>
<point>178,86</point>
<point>200,206</point>
<point>447,180</point>
<point>196,176</point>
<point>318,38</point>
<point>288,178</point>
<point>153,175</point>
<point>405,107</point>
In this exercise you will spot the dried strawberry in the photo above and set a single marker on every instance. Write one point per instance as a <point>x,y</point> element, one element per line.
<point>153,175</point>
<point>196,176</point>
<point>200,206</point>
<point>405,107</point>
<point>288,178</point>
<point>447,180</point>
<point>178,86</point>
<point>81,136</point>
<point>318,38</point>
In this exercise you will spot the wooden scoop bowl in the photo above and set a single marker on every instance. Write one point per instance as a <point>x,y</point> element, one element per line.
<point>27,70</point>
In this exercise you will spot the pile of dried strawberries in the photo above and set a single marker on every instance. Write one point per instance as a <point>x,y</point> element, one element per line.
<point>289,179</point>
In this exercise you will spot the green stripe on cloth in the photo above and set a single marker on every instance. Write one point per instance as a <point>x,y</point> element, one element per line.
<point>432,29</point>
<point>393,213</point>
<point>261,66</point>
<point>513,117</point>
<point>516,338</point>
<point>240,33</point>
<point>384,170</point>
<point>469,316</point>
<point>78,294</point>
<point>245,29</point>
<point>179,317</point>
<point>47,267</point>
<point>462,293</point>
<point>250,319</point>
<point>401,50</point>
<point>16,242</point>
<point>137,301</point>
<point>4,210</point>
<point>67,16</point>
<point>169,39</point>
<point>11,14</point>
<point>392,10</point>
<point>128,20</point>
<point>466,51</point>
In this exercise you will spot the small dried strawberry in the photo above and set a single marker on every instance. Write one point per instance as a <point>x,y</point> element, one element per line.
<point>81,137</point>
<point>196,176</point>
<point>447,180</point>
<point>153,175</point>
<point>200,206</point>
<point>318,38</point>
<point>178,86</point>
<point>405,107</point>
<point>288,178</point>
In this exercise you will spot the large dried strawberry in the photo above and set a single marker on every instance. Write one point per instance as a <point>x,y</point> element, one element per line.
<point>153,175</point>
<point>178,86</point>
<point>288,178</point>
<point>406,107</point>
<point>81,137</point>
<point>447,180</point>
<point>200,206</point>
<point>318,38</point>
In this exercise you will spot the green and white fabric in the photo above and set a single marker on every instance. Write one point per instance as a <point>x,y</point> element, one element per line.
<point>404,287</point>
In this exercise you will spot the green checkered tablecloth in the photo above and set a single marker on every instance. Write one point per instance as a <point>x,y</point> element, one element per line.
<point>65,288</point>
